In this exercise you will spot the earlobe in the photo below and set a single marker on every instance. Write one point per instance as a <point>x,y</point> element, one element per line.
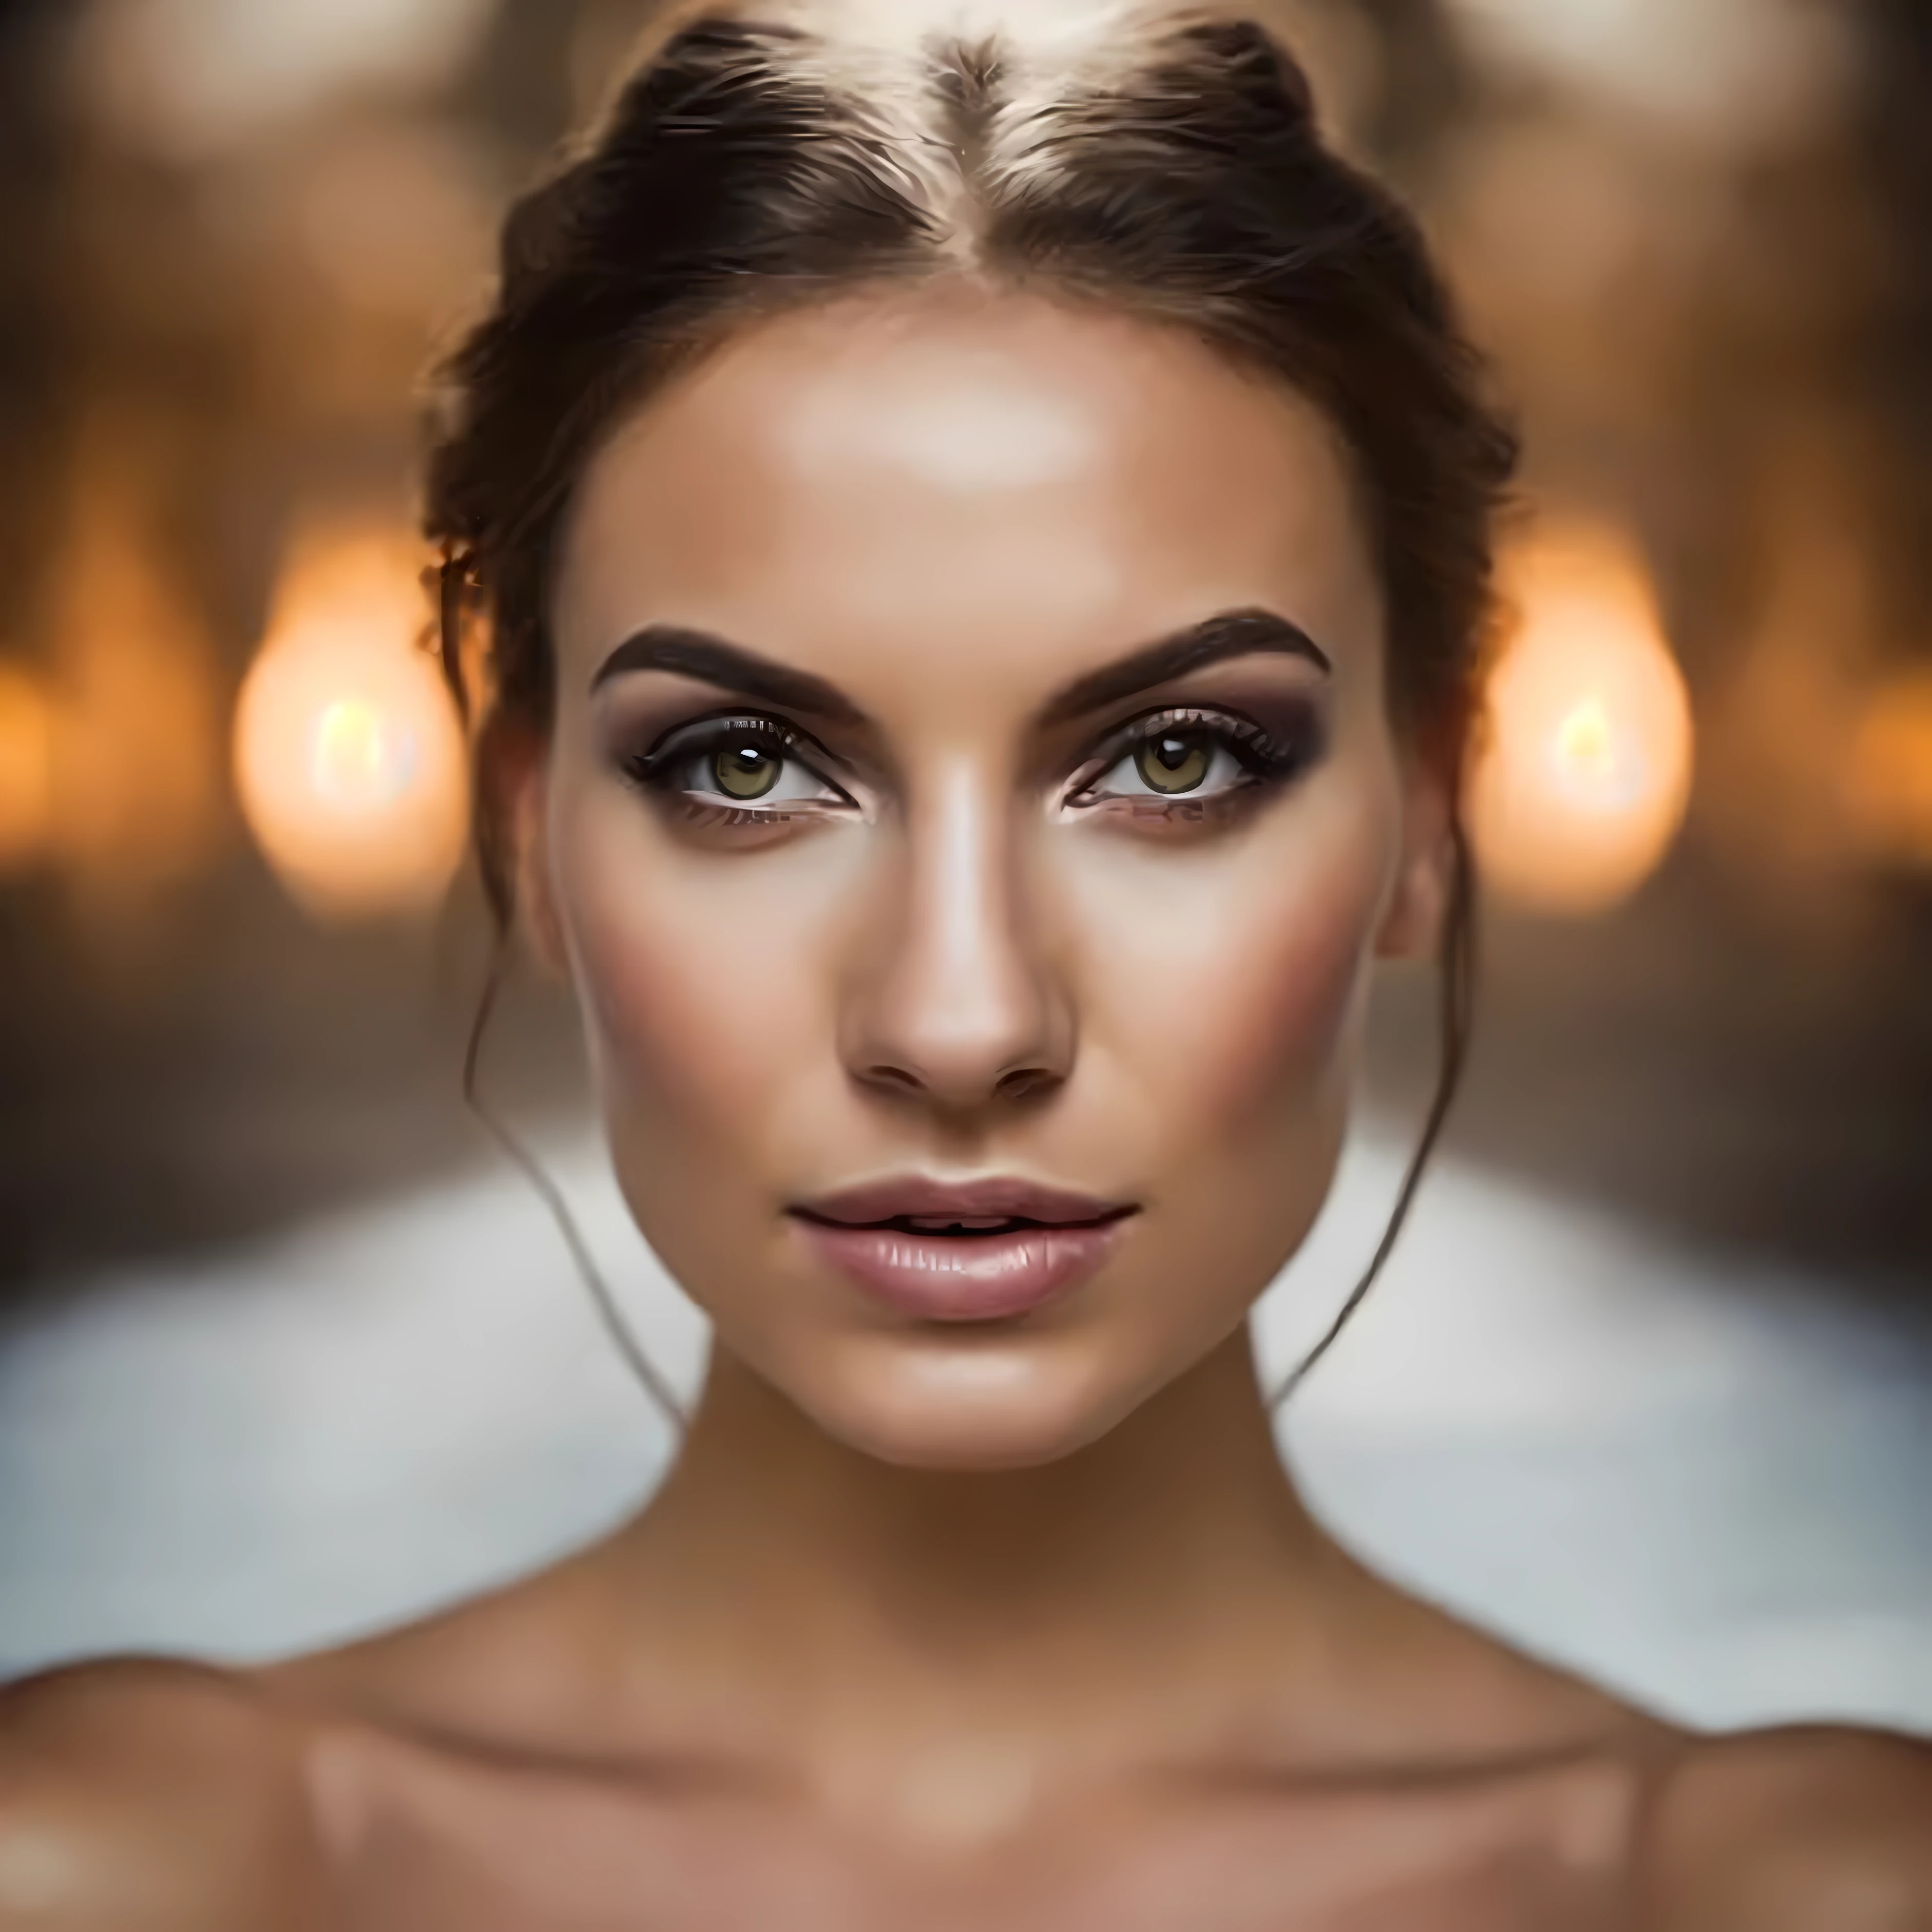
<point>1414,921</point>
<point>535,895</point>
<point>1412,927</point>
<point>516,771</point>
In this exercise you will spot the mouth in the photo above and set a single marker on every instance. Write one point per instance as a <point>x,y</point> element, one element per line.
<point>989,1250</point>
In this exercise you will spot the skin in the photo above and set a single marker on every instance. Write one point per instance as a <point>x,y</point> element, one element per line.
<point>935,1625</point>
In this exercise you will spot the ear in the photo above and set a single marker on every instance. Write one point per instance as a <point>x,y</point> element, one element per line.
<point>516,761</point>
<point>1411,927</point>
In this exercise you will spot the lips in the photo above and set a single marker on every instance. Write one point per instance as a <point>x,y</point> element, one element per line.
<point>995,1198</point>
<point>982,1250</point>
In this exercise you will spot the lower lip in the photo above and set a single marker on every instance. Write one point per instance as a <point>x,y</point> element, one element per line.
<point>953,1278</point>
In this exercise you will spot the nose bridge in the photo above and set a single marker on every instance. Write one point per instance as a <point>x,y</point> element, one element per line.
<point>962,1003</point>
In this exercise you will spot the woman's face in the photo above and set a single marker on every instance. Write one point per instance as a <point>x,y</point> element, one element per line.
<point>971,818</point>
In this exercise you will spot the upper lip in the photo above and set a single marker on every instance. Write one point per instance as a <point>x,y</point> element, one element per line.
<point>994,1195</point>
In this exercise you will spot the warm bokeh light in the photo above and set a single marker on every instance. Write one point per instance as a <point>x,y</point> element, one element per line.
<point>136,750</point>
<point>195,80</point>
<point>1737,73</point>
<point>1889,793</point>
<point>349,756</point>
<point>1586,775</point>
<point>26,769</point>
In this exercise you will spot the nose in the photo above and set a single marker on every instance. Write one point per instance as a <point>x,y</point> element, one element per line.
<point>957,1004</point>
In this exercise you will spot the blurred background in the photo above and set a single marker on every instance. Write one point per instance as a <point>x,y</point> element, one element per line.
<point>284,1355</point>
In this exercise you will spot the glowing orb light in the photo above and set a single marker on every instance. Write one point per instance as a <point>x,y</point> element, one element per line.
<point>26,770</point>
<point>348,753</point>
<point>1890,789</point>
<point>1586,774</point>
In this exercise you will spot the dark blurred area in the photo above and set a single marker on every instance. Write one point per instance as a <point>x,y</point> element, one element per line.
<point>1696,235</point>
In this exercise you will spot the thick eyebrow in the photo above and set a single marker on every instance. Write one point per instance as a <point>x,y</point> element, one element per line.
<point>1231,634</point>
<point>697,654</point>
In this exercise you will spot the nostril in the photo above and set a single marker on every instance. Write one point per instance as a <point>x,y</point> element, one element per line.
<point>1023,1083</point>
<point>1020,1083</point>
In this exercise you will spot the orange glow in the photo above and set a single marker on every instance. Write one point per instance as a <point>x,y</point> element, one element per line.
<point>1890,792</point>
<point>26,770</point>
<point>136,747</point>
<point>348,753</point>
<point>1586,776</point>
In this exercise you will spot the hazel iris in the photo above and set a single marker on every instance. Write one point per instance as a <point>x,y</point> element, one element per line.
<point>1172,763</point>
<point>745,769</point>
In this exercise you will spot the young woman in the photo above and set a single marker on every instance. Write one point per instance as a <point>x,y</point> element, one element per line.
<point>968,542</point>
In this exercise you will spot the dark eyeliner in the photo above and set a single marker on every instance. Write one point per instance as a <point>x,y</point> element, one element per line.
<point>1268,760</point>
<point>654,769</point>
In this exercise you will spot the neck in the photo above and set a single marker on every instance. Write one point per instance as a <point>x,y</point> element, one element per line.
<point>1124,1604</point>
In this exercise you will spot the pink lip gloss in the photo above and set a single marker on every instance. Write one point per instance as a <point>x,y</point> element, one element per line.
<point>990,1277</point>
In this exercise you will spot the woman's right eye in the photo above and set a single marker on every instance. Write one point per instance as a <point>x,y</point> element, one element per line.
<point>750,765</point>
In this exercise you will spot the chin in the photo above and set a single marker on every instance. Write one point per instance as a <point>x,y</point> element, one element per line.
<point>973,1404</point>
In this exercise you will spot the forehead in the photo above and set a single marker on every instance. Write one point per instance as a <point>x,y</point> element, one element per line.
<point>975,488</point>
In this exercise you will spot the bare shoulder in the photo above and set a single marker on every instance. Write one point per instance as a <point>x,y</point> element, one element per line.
<point>1805,1830</point>
<point>516,1662</point>
<point>143,1797</point>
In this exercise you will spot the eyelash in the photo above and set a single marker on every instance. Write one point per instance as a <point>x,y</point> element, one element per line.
<point>657,770</point>
<point>1267,762</point>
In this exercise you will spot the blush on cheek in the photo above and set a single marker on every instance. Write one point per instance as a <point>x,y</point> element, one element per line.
<point>1286,1025</point>
<point>1299,989</point>
<point>692,998</point>
<point>1264,967</point>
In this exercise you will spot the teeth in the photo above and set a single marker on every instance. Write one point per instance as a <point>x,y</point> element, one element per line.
<point>940,1223</point>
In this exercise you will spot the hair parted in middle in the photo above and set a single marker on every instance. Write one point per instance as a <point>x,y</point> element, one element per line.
<point>1160,161</point>
<point>768,154</point>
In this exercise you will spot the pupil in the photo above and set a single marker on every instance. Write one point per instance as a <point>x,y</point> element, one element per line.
<point>1170,764</point>
<point>745,771</point>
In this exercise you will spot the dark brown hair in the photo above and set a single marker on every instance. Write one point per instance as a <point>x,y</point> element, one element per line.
<point>766,159</point>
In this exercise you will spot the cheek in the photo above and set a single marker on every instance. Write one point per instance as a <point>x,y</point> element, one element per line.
<point>1232,987</point>
<point>702,983</point>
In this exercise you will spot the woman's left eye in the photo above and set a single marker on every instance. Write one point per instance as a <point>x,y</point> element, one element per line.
<point>1182,759</point>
